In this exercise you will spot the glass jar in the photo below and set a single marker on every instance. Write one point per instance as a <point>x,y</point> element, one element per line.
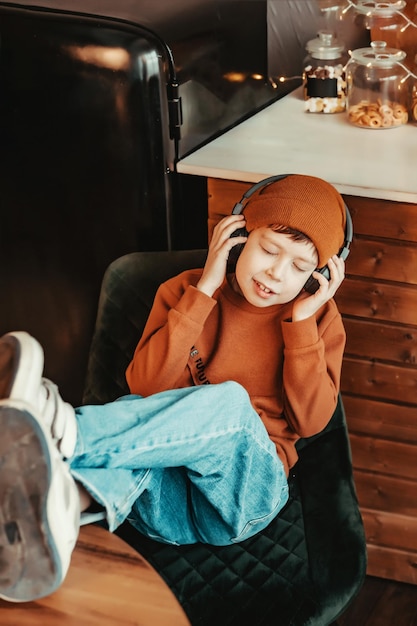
<point>377,87</point>
<point>413,103</point>
<point>383,19</point>
<point>324,84</point>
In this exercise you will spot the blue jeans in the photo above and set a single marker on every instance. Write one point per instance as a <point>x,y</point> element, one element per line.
<point>183,466</point>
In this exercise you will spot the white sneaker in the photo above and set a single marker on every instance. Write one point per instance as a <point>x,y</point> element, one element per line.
<point>39,502</point>
<point>27,385</point>
<point>59,417</point>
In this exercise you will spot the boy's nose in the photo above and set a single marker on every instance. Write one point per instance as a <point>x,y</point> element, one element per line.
<point>277,271</point>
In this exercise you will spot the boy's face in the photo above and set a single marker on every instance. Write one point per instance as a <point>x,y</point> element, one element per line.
<point>272,268</point>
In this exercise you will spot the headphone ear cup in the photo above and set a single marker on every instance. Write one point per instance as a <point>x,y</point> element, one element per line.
<point>239,232</point>
<point>237,249</point>
<point>313,284</point>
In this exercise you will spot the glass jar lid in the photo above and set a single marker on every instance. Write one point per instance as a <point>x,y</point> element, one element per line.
<point>325,46</point>
<point>378,55</point>
<point>379,9</point>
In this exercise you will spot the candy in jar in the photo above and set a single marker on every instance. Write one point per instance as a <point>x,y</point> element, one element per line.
<point>324,82</point>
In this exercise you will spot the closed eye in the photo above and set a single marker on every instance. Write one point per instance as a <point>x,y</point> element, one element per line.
<point>303,269</point>
<point>271,252</point>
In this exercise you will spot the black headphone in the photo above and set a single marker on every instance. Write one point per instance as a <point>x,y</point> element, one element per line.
<point>312,284</point>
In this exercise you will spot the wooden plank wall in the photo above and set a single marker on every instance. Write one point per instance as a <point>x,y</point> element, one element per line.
<point>378,301</point>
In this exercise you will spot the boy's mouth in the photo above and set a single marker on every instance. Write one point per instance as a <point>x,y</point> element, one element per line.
<point>263,288</point>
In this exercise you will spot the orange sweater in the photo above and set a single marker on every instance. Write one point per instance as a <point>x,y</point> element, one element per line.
<point>291,370</point>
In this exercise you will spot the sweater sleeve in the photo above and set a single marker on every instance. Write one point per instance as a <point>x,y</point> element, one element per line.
<point>175,322</point>
<point>313,352</point>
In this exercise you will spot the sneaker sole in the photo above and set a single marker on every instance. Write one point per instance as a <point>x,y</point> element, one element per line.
<point>30,566</point>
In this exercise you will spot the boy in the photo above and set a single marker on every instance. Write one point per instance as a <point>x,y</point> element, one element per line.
<point>230,372</point>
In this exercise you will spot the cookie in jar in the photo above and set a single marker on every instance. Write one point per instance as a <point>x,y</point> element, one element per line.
<point>324,84</point>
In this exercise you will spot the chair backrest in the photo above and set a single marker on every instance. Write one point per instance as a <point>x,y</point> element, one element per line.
<point>128,289</point>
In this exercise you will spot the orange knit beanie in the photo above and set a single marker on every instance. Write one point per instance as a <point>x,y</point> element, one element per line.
<point>304,203</point>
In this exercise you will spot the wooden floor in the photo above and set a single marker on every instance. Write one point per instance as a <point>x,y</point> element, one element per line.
<point>382,603</point>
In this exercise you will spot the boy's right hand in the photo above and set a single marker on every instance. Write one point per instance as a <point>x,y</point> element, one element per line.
<point>220,245</point>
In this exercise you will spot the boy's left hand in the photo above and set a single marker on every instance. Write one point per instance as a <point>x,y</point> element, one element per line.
<point>306,304</point>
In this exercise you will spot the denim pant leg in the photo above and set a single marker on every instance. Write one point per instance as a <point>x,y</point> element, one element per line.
<point>185,465</point>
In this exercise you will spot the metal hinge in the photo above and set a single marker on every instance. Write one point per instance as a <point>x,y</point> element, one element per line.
<point>174,111</point>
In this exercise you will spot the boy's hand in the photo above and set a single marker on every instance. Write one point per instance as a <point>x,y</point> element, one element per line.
<point>307,304</point>
<point>220,245</point>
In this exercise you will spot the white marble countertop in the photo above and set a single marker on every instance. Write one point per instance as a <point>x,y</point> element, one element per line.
<point>283,139</point>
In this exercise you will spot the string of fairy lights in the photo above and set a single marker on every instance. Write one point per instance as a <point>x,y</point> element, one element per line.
<point>371,8</point>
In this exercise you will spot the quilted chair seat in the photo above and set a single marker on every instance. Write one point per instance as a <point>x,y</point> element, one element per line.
<point>307,566</point>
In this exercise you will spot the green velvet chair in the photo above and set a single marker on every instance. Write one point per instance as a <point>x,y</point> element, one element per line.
<point>308,565</point>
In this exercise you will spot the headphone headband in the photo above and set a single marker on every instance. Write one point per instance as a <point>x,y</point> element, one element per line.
<point>239,206</point>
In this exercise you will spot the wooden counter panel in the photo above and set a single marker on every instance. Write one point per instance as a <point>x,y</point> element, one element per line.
<point>381,419</point>
<point>378,301</point>
<point>392,564</point>
<point>378,341</point>
<point>386,494</point>
<point>383,218</point>
<point>387,529</point>
<point>392,458</point>
<point>383,260</point>
<point>222,197</point>
<point>379,381</point>
<point>392,544</point>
